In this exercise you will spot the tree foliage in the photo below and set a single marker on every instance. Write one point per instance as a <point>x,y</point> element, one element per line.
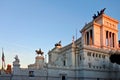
<point>115,58</point>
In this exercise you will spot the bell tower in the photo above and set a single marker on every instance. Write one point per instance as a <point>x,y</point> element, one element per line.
<point>101,32</point>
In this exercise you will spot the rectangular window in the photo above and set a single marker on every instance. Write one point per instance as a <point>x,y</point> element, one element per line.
<point>87,38</point>
<point>96,55</point>
<point>64,63</point>
<point>104,66</point>
<point>63,78</point>
<point>99,55</point>
<point>107,42</point>
<point>110,38</point>
<point>103,56</point>
<point>93,54</point>
<point>80,57</point>
<point>89,64</point>
<point>31,73</point>
<point>91,37</point>
<point>113,39</point>
<point>89,53</point>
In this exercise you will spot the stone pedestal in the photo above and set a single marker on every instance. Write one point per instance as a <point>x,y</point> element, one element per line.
<point>16,65</point>
<point>39,63</point>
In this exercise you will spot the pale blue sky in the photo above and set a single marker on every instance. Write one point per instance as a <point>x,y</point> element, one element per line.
<point>26,25</point>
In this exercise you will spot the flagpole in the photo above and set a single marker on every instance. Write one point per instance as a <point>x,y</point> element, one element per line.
<point>2,65</point>
<point>3,60</point>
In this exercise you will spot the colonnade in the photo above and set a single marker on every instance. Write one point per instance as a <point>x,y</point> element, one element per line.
<point>110,39</point>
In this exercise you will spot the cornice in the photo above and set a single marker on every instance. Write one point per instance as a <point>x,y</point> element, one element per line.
<point>97,49</point>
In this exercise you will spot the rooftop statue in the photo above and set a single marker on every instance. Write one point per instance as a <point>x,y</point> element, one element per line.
<point>16,58</point>
<point>39,52</point>
<point>58,44</point>
<point>94,17</point>
<point>99,13</point>
<point>102,11</point>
